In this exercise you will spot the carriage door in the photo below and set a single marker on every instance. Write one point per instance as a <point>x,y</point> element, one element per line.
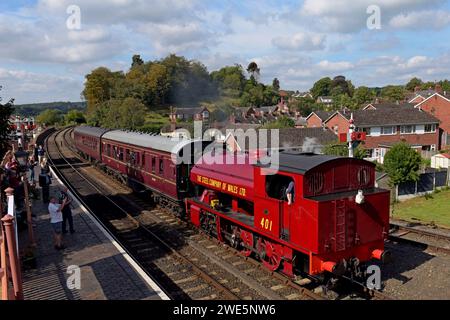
<point>183,178</point>
<point>276,187</point>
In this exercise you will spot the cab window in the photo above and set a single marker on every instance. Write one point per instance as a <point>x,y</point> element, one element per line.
<point>277,186</point>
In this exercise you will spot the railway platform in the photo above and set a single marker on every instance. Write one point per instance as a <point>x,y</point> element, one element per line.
<point>105,270</point>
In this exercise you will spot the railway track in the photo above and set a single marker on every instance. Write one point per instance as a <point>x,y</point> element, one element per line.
<point>420,238</point>
<point>176,256</point>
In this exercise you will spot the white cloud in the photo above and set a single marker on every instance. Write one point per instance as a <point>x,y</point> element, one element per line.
<point>300,41</point>
<point>351,16</point>
<point>169,38</point>
<point>31,87</point>
<point>422,20</point>
<point>121,11</point>
<point>30,41</point>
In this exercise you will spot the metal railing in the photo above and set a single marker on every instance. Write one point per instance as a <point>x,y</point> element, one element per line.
<point>11,273</point>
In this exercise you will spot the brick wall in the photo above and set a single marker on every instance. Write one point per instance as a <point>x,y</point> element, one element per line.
<point>339,122</point>
<point>440,108</point>
<point>314,122</point>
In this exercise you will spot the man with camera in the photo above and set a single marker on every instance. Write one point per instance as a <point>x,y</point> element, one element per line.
<point>64,197</point>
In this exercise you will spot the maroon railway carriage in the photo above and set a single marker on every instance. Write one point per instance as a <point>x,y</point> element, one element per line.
<point>327,228</point>
<point>152,162</point>
<point>143,161</point>
<point>87,141</point>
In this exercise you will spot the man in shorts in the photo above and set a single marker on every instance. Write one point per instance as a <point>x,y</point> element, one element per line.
<point>56,219</point>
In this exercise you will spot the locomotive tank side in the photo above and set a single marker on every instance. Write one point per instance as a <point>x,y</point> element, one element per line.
<point>232,176</point>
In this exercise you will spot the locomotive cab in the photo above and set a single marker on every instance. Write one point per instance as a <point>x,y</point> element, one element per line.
<point>337,218</point>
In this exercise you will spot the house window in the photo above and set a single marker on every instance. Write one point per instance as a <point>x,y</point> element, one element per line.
<point>429,128</point>
<point>408,129</point>
<point>366,130</point>
<point>387,130</point>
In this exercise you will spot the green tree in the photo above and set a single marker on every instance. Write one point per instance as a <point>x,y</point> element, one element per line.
<point>253,70</point>
<point>6,111</point>
<point>343,101</point>
<point>49,117</point>
<point>363,95</point>
<point>276,84</point>
<point>229,80</point>
<point>339,85</point>
<point>393,93</point>
<point>74,116</point>
<point>99,87</point>
<point>428,85</point>
<point>445,85</point>
<point>321,88</point>
<point>413,83</point>
<point>136,61</point>
<point>280,123</point>
<point>340,149</point>
<point>157,85</point>
<point>303,105</point>
<point>127,114</point>
<point>402,164</point>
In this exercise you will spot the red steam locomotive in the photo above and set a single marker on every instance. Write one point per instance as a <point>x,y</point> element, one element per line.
<point>337,219</point>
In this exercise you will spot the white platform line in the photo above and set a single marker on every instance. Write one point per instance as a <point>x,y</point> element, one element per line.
<point>121,250</point>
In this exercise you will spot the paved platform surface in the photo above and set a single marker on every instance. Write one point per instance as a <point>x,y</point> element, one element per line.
<point>105,272</point>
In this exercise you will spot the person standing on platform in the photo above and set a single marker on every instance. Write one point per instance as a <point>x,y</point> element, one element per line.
<point>45,180</point>
<point>41,154</point>
<point>36,153</point>
<point>64,197</point>
<point>56,219</point>
<point>31,165</point>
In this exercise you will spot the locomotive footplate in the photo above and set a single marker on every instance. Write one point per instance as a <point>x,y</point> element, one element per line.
<point>241,217</point>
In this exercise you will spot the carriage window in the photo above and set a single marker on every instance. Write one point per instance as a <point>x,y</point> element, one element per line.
<point>121,154</point>
<point>143,160</point>
<point>277,186</point>
<point>132,157</point>
<point>127,154</point>
<point>161,165</point>
<point>108,150</point>
<point>153,164</point>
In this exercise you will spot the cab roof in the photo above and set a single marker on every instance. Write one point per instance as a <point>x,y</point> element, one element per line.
<point>297,162</point>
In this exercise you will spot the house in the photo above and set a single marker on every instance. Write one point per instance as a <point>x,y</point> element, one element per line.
<point>317,118</point>
<point>326,100</point>
<point>387,105</point>
<point>421,95</point>
<point>303,139</point>
<point>300,122</point>
<point>302,95</point>
<point>188,114</point>
<point>440,161</point>
<point>438,105</point>
<point>384,128</point>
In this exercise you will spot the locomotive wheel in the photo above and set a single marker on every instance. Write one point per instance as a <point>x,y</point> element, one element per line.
<point>247,239</point>
<point>272,254</point>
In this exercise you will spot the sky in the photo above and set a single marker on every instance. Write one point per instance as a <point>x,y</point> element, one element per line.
<point>44,56</point>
